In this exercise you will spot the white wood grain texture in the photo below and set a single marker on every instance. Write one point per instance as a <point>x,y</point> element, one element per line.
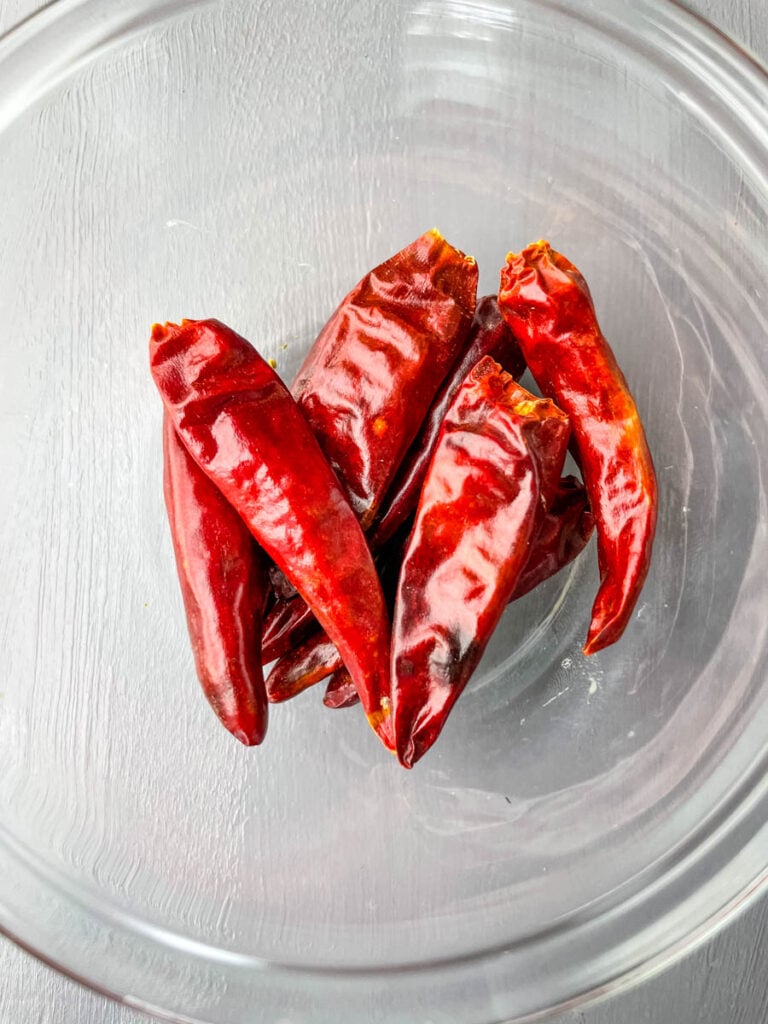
<point>12,12</point>
<point>724,982</point>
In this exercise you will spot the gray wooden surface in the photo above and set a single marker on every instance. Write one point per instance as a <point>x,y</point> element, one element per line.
<point>723,982</point>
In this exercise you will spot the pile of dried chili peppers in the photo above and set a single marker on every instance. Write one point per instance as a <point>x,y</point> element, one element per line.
<point>369,526</point>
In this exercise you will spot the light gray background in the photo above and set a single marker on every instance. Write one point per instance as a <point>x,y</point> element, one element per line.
<point>723,982</point>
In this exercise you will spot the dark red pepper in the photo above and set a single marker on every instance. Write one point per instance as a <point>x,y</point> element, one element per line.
<point>340,692</point>
<point>371,375</point>
<point>304,665</point>
<point>223,581</point>
<point>287,623</point>
<point>315,657</point>
<point>369,379</point>
<point>243,428</point>
<point>563,534</point>
<point>547,304</point>
<point>565,530</point>
<point>489,335</point>
<point>493,474</point>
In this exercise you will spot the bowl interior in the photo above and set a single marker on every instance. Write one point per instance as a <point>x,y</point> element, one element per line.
<point>251,162</point>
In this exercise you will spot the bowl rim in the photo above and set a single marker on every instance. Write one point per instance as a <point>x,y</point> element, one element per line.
<point>34,43</point>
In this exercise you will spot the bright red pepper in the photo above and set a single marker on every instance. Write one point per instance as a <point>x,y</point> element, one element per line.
<point>223,581</point>
<point>494,471</point>
<point>243,428</point>
<point>489,335</point>
<point>547,304</point>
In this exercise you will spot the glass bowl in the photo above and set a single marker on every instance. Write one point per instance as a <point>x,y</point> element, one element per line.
<point>581,821</point>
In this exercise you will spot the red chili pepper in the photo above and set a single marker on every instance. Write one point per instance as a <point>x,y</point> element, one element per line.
<point>309,662</point>
<point>243,428</point>
<point>340,692</point>
<point>547,304</point>
<point>286,624</point>
<point>482,501</point>
<point>306,664</point>
<point>564,532</point>
<point>281,587</point>
<point>223,583</point>
<point>370,377</point>
<point>489,336</point>
<point>315,657</point>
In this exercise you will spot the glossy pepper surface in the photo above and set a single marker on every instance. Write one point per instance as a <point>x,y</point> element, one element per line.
<point>494,471</point>
<point>564,531</point>
<point>340,692</point>
<point>548,305</point>
<point>372,373</point>
<point>314,659</point>
<point>287,623</point>
<point>369,378</point>
<point>223,581</point>
<point>242,427</point>
<point>489,335</point>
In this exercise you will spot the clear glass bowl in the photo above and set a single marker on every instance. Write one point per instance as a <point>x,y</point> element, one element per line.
<point>580,821</point>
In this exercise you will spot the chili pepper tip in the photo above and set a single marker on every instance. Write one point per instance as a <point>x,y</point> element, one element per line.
<point>245,739</point>
<point>413,750</point>
<point>381,723</point>
<point>536,248</point>
<point>159,330</point>
<point>603,633</point>
<point>438,236</point>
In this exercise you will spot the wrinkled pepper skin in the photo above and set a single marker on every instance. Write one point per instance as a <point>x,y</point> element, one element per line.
<point>489,335</point>
<point>309,662</point>
<point>315,657</point>
<point>565,531</point>
<point>369,379</point>
<point>371,375</point>
<point>340,692</point>
<point>547,303</point>
<point>483,500</point>
<point>287,623</point>
<point>240,424</point>
<point>223,581</point>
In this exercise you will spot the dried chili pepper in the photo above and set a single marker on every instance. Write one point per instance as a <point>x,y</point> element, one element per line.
<point>372,373</point>
<point>489,335</point>
<point>483,499</point>
<point>311,661</point>
<point>315,657</point>
<point>369,378</point>
<point>564,532</point>
<point>547,303</point>
<point>223,581</point>
<point>288,622</point>
<point>233,415</point>
<point>340,692</point>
